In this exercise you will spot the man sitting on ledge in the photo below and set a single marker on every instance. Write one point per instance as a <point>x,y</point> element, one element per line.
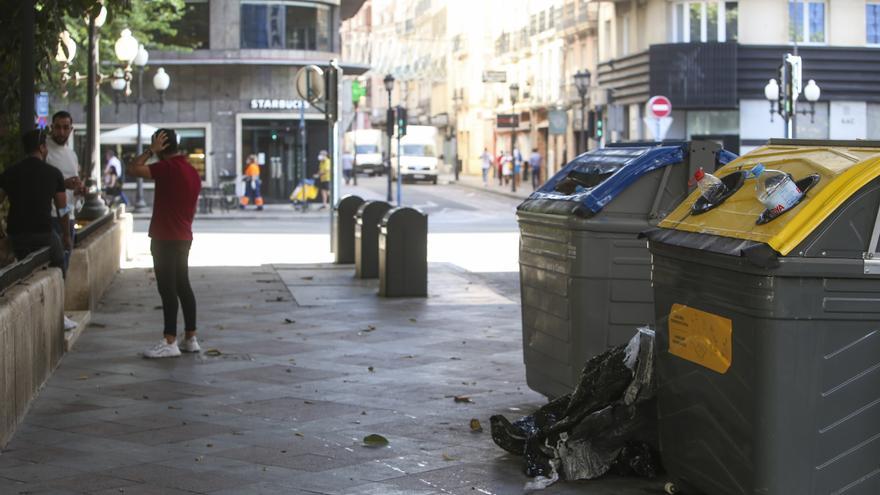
<point>31,186</point>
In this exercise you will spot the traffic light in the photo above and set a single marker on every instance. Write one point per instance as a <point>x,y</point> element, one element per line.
<point>600,125</point>
<point>389,123</point>
<point>401,121</point>
<point>591,124</point>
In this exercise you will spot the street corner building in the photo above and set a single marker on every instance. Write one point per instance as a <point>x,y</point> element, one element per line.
<point>234,94</point>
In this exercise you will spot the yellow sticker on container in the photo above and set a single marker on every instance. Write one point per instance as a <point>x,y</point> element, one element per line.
<point>701,337</point>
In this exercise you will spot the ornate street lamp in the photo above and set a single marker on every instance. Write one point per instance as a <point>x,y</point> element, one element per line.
<point>783,92</point>
<point>582,83</point>
<point>122,83</point>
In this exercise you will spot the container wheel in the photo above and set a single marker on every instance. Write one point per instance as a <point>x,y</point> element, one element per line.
<point>670,488</point>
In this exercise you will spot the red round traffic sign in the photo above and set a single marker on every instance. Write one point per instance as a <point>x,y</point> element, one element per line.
<point>659,107</point>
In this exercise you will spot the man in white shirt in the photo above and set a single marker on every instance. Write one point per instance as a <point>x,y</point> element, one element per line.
<point>62,157</point>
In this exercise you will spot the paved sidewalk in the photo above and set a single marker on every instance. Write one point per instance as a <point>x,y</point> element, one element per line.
<point>476,182</point>
<point>299,364</point>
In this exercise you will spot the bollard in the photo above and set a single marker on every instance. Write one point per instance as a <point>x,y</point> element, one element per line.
<point>366,238</point>
<point>403,253</point>
<point>344,226</point>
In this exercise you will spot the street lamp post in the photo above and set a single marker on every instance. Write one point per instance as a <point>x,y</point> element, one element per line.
<point>93,206</point>
<point>582,83</point>
<point>514,95</point>
<point>389,127</point>
<point>783,93</point>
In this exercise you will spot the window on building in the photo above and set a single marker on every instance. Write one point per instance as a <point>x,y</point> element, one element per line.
<point>704,21</point>
<point>624,35</point>
<point>291,25</point>
<point>806,21</point>
<point>192,29</point>
<point>872,16</point>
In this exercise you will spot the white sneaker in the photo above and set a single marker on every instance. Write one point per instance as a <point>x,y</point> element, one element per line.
<point>69,324</point>
<point>162,350</point>
<point>190,345</point>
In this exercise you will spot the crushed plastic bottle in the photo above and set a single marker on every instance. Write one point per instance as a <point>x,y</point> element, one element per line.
<point>776,190</point>
<point>711,187</point>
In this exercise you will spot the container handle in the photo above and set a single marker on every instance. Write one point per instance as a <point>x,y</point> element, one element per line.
<point>872,257</point>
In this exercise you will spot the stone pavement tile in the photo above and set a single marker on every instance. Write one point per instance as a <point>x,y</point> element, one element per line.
<point>32,473</point>
<point>38,455</point>
<point>279,374</point>
<point>177,478</point>
<point>386,489</point>
<point>142,489</point>
<point>82,483</point>
<point>291,408</point>
<point>262,488</point>
<point>161,390</point>
<point>188,430</point>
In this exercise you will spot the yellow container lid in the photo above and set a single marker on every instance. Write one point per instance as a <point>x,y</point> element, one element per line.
<point>843,167</point>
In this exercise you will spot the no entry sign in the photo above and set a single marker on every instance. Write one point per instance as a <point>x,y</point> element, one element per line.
<point>659,107</point>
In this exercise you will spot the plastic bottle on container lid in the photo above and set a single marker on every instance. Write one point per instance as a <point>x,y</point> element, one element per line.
<point>776,190</point>
<point>710,186</point>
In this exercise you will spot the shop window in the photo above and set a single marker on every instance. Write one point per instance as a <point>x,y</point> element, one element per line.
<point>806,21</point>
<point>192,146</point>
<point>192,29</point>
<point>702,122</point>
<point>706,21</point>
<point>872,16</point>
<point>291,25</point>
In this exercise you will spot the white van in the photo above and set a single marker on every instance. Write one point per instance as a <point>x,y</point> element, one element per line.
<point>366,144</point>
<point>418,154</point>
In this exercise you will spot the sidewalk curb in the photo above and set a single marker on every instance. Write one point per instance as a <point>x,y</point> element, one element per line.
<point>487,189</point>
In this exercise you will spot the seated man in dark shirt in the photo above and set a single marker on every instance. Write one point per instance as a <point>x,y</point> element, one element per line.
<point>32,185</point>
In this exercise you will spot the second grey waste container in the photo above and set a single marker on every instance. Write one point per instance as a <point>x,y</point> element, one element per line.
<point>366,238</point>
<point>585,277</point>
<point>403,253</point>
<point>344,225</point>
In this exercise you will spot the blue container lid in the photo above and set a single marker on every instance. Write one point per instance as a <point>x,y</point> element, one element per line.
<point>596,177</point>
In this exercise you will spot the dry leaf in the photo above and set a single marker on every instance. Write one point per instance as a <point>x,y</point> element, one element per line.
<point>447,457</point>
<point>375,440</point>
<point>463,399</point>
<point>83,377</point>
<point>476,427</point>
<point>213,352</point>
<point>413,320</point>
<point>299,434</point>
<point>370,369</point>
<point>288,321</point>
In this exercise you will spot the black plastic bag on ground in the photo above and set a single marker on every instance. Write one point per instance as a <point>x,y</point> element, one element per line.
<point>608,421</point>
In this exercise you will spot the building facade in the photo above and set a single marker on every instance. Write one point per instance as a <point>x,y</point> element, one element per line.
<point>234,95</point>
<point>712,59</point>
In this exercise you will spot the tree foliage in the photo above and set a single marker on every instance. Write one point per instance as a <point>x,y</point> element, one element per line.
<point>148,20</point>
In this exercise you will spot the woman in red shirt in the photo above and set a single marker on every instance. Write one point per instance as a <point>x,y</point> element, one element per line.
<point>174,206</point>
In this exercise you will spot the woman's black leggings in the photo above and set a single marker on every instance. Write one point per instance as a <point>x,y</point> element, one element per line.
<point>171,264</point>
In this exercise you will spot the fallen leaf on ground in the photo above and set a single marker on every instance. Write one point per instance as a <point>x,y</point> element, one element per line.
<point>174,407</point>
<point>308,278</point>
<point>476,427</point>
<point>289,321</point>
<point>455,359</point>
<point>299,434</point>
<point>463,399</point>
<point>308,402</point>
<point>447,457</point>
<point>370,369</point>
<point>413,320</point>
<point>83,377</point>
<point>375,440</point>
<point>369,328</point>
<point>213,352</point>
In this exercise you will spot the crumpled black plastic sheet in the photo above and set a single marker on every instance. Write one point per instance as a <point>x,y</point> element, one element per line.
<point>608,423</point>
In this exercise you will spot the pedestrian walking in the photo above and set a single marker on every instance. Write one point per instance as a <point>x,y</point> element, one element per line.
<point>177,190</point>
<point>252,184</point>
<point>323,177</point>
<point>486,159</point>
<point>507,168</point>
<point>499,167</point>
<point>347,165</point>
<point>536,165</point>
<point>33,187</point>
<point>113,178</point>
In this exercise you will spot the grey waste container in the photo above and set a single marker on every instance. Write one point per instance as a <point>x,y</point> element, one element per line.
<point>343,226</point>
<point>767,330</point>
<point>403,253</point>
<point>584,275</point>
<point>366,238</point>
